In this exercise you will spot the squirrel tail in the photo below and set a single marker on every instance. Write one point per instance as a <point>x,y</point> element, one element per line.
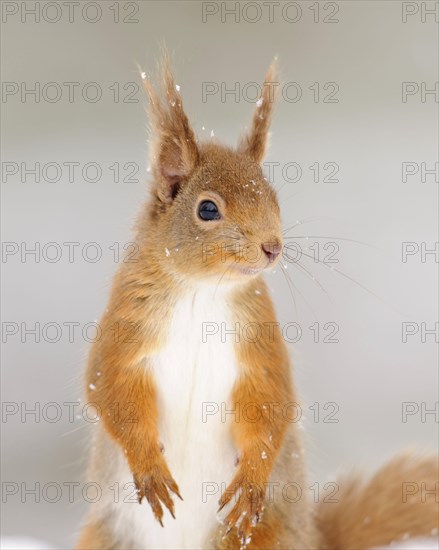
<point>400,502</point>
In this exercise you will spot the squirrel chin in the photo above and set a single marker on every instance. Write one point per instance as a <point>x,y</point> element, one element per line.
<point>249,271</point>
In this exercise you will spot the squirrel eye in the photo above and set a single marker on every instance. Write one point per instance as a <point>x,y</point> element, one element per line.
<point>208,210</point>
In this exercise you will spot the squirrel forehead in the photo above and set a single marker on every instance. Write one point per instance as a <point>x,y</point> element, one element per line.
<point>234,176</point>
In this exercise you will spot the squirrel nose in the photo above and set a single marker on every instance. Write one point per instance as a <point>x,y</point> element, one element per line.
<point>272,250</point>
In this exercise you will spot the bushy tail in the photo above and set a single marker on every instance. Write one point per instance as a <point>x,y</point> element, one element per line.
<point>399,502</point>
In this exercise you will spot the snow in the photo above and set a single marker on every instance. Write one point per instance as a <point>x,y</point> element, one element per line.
<point>26,543</point>
<point>23,543</point>
<point>412,544</point>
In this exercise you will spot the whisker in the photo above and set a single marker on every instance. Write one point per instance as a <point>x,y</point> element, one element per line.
<point>287,277</point>
<point>346,276</point>
<point>289,283</point>
<point>333,238</point>
<point>234,236</point>
<point>303,222</point>
<point>73,430</point>
<point>290,196</point>
<point>220,279</point>
<point>312,277</point>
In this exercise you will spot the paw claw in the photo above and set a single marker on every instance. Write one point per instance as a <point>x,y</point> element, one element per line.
<point>246,512</point>
<point>155,486</point>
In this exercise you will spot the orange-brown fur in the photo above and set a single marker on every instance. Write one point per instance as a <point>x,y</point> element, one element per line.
<point>141,303</point>
<point>398,502</point>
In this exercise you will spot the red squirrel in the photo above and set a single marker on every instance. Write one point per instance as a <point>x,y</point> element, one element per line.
<point>196,424</point>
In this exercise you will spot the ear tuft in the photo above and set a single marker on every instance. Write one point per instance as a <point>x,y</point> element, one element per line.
<point>174,151</point>
<point>254,143</point>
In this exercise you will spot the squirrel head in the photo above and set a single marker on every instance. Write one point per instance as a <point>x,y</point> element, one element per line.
<point>212,213</point>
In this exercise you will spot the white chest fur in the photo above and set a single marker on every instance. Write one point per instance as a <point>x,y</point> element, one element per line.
<point>194,375</point>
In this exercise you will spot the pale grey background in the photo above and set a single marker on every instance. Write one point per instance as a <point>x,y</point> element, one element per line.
<point>370,132</point>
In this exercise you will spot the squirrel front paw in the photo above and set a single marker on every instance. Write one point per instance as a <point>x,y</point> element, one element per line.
<point>249,487</point>
<point>154,484</point>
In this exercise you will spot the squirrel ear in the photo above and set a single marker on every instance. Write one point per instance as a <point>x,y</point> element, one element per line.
<point>255,142</point>
<point>174,151</point>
